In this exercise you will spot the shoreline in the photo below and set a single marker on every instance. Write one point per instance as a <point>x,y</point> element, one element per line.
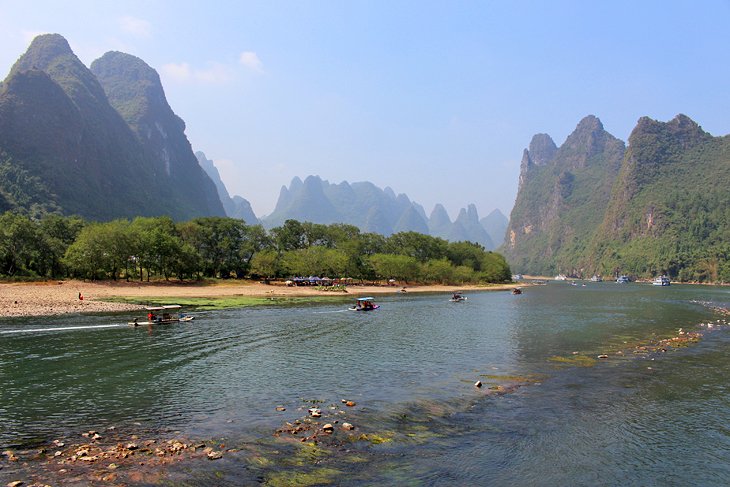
<point>54,298</point>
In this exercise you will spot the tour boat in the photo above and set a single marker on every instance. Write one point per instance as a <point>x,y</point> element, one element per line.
<point>365,304</point>
<point>161,315</point>
<point>661,281</point>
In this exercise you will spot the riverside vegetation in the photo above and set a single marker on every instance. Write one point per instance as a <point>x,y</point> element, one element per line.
<point>217,247</point>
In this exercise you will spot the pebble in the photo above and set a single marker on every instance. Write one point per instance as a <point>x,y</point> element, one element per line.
<point>315,413</point>
<point>15,483</point>
<point>215,455</point>
<point>603,356</point>
<point>280,408</point>
<point>478,383</point>
<point>347,426</point>
<point>328,428</point>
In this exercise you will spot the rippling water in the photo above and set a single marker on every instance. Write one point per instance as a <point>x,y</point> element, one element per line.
<point>410,366</point>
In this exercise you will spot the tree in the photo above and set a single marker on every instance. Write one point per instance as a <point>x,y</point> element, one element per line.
<point>289,236</point>
<point>18,244</point>
<point>315,261</point>
<point>419,246</point>
<point>56,234</point>
<point>437,270</point>
<point>265,263</point>
<point>389,266</point>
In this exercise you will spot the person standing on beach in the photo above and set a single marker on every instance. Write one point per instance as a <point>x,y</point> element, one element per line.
<point>81,297</point>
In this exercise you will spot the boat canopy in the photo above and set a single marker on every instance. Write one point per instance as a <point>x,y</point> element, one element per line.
<point>163,308</point>
<point>365,299</point>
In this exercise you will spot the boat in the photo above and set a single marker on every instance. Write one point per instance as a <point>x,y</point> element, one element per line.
<point>162,315</point>
<point>661,281</point>
<point>623,279</point>
<point>365,304</point>
<point>596,278</point>
<point>457,297</point>
<point>560,277</point>
<point>517,291</point>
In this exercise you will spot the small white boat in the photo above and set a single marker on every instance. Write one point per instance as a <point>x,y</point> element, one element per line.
<point>661,281</point>
<point>596,278</point>
<point>162,315</point>
<point>560,277</point>
<point>623,279</point>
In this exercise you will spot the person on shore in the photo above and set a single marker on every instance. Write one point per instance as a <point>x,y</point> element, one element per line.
<point>81,297</point>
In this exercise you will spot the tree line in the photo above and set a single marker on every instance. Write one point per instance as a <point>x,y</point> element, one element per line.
<point>147,248</point>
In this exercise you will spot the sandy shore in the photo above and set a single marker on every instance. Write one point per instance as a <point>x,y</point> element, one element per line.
<point>62,297</point>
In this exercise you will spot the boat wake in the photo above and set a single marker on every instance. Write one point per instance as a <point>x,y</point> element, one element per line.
<point>60,328</point>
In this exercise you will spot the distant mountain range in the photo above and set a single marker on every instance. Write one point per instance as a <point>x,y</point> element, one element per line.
<point>377,210</point>
<point>102,143</point>
<point>236,206</point>
<point>594,206</point>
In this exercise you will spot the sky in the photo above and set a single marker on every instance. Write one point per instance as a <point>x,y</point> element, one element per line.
<point>436,99</point>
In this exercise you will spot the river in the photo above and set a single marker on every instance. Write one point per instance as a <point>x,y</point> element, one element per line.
<point>549,411</point>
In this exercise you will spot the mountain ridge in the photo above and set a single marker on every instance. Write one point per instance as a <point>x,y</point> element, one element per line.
<point>60,137</point>
<point>659,208</point>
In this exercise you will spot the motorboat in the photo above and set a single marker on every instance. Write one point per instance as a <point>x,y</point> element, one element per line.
<point>365,304</point>
<point>517,290</point>
<point>561,277</point>
<point>457,297</point>
<point>623,279</point>
<point>661,281</point>
<point>162,315</point>
<point>596,278</point>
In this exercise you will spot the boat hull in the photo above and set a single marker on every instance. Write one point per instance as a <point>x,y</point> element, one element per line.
<point>365,309</point>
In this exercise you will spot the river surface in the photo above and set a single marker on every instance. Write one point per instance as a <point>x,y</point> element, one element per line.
<point>541,418</point>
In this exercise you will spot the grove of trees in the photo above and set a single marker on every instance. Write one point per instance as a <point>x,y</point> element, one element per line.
<point>214,247</point>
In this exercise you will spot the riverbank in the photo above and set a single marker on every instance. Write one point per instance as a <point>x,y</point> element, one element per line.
<point>63,297</point>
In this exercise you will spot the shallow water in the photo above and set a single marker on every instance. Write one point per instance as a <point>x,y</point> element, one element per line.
<point>410,366</point>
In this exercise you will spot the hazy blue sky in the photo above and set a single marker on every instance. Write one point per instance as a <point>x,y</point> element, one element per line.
<point>434,99</point>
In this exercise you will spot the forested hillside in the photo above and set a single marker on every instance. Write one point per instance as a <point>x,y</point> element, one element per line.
<point>64,148</point>
<point>664,210</point>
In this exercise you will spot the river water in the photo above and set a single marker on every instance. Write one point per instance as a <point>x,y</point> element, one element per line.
<point>549,412</point>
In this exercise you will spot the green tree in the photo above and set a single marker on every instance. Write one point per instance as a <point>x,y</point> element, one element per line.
<point>315,261</point>
<point>18,244</point>
<point>416,245</point>
<point>389,266</point>
<point>265,264</point>
<point>290,236</point>
<point>437,270</point>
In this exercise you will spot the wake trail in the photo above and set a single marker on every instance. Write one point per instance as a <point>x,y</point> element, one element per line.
<point>60,328</point>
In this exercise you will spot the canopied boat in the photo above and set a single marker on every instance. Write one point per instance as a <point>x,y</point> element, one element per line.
<point>160,315</point>
<point>365,304</point>
<point>661,281</point>
<point>623,279</point>
<point>596,278</point>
